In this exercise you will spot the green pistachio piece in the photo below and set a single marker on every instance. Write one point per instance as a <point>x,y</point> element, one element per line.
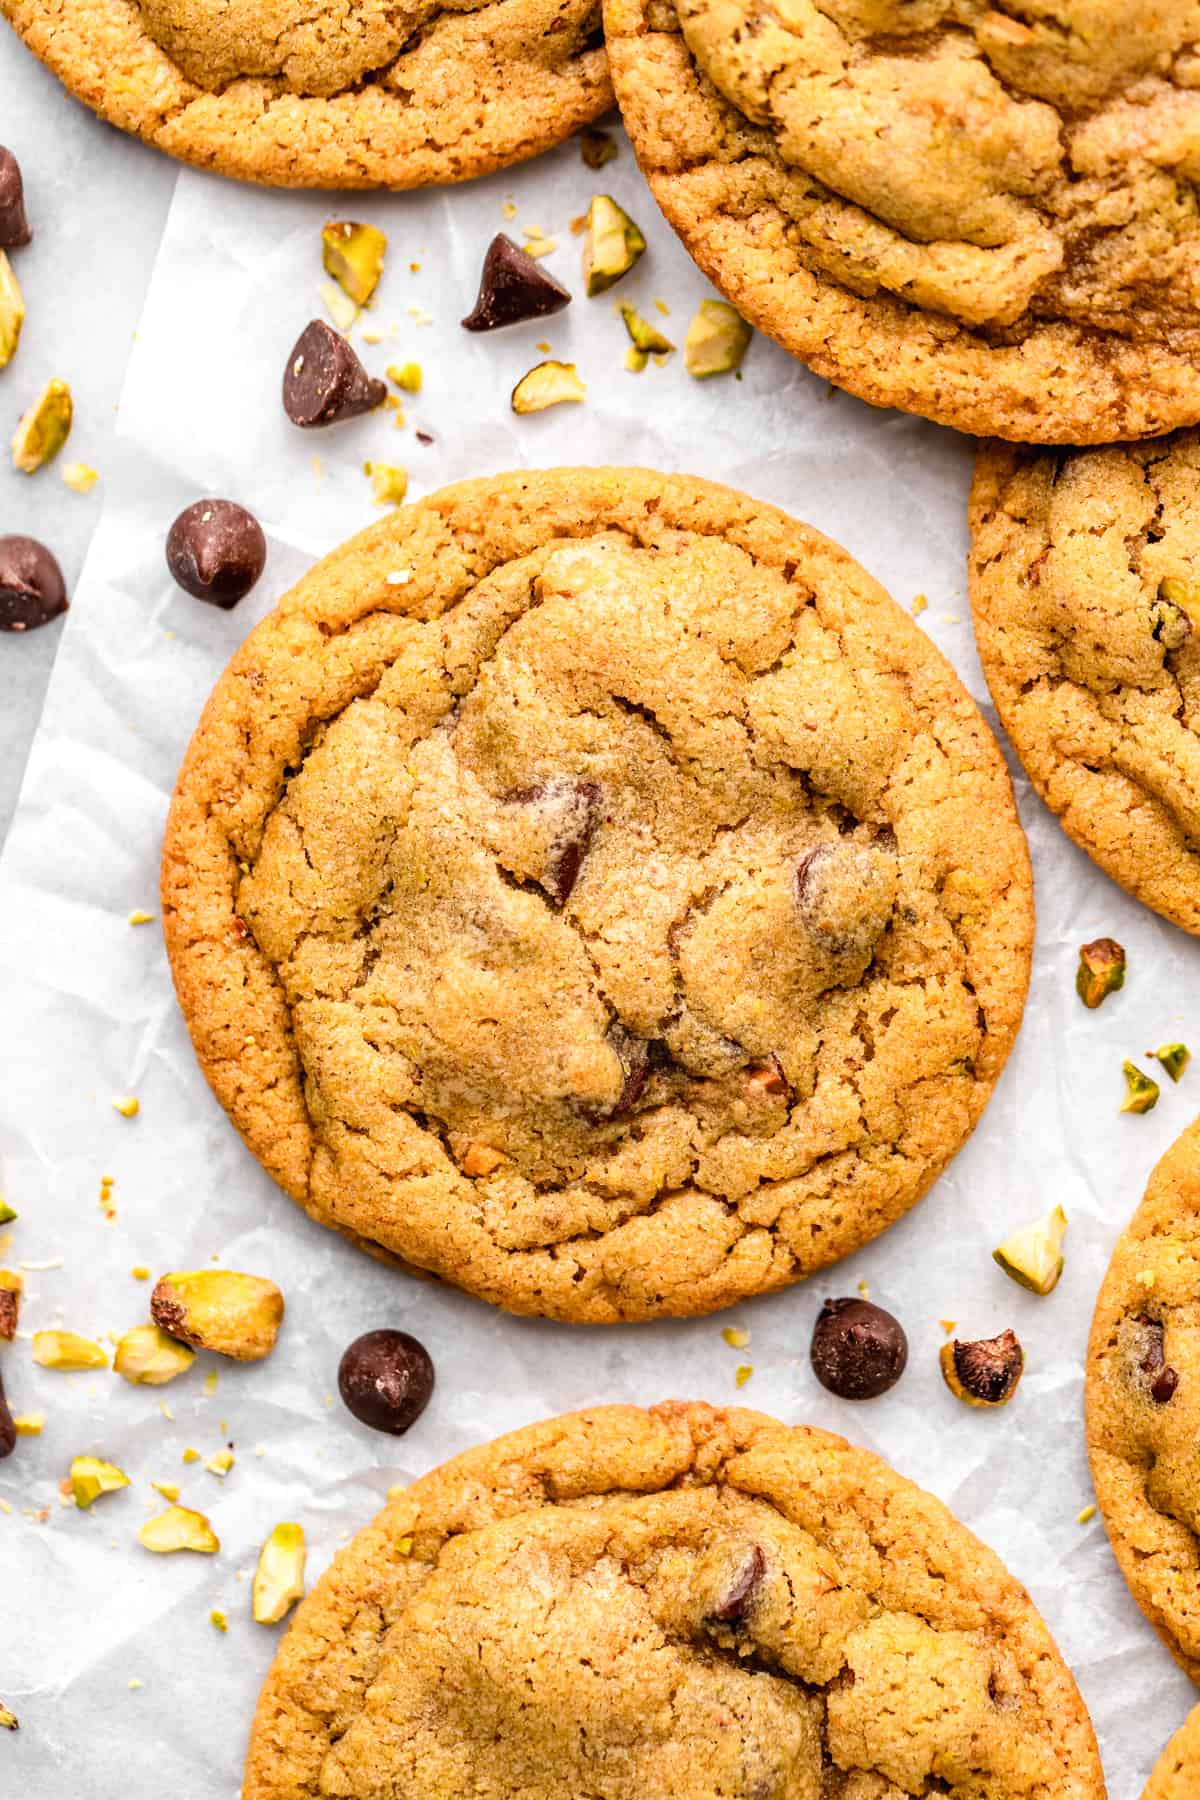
<point>44,429</point>
<point>549,384</point>
<point>1101,970</point>
<point>612,244</point>
<point>717,340</point>
<point>1174,1058</point>
<point>12,312</point>
<point>636,360</point>
<point>8,1720</point>
<point>406,376</point>
<point>1171,613</point>
<point>1141,1092</point>
<point>353,255</point>
<point>7,1215</point>
<point>389,483</point>
<point>1033,1256</point>
<point>597,147</point>
<point>644,335</point>
<point>179,1528</point>
<point>90,1477</point>
<point>279,1578</point>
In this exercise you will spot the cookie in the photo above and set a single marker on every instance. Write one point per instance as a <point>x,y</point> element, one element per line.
<point>1143,1401</point>
<point>1177,1772</point>
<point>345,95</point>
<point>985,218</point>
<point>679,1602</point>
<point>1085,576</point>
<point>591,888</point>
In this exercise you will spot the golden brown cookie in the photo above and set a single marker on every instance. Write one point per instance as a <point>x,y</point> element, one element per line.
<point>656,1605</point>
<point>344,94</point>
<point>1085,580</point>
<point>1177,1772</point>
<point>983,215</point>
<point>590,887</point>
<point>1143,1401</point>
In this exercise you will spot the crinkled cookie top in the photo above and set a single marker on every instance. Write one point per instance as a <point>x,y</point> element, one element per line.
<point>345,93</point>
<point>971,179</point>
<point>639,896</point>
<point>636,1606</point>
<point>1177,1772</point>
<point>1143,1401</point>
<point>1085,583</point>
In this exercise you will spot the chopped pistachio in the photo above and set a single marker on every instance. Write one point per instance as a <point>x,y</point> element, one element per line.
<point>29,1424</point>
<point>389,483</point>
<point>91,1477</point>
<point>7,1215</point>
<point>210,1381</point>
<point>8,1720</point>
<point>636,360</point>
<point>1087,1515</point>
<point>643,334</point>
<point>141,918</point>
<point>1173,611</point>
<point>1141,1093</point>
<point>612,244</point>
<point>220,1463</point>
<point>1101,970</point>
<point>179,1528</point>
<point>279,1578</point>
<point>404,1545</point>
<point>597,147</point>
<point>1033,1256</point>
<point>218,1621</point>
<point>1174,1058</point>
<point>717,340</point>
<point>353,255</point>
<point>128,1105</point>
<point>986,1372</point>
<point>168,1489</point>
<point>67,1350</point>
<point>140,1272</point>
<point>44,429</point>
<point>219,1309</point>
<point>406,375</point>
<point>342,311</point>
<point>190,1455</point>
<point>12,312</point>
<point>148,1357</point>
<point>482,1159</point>
<point>11,1288</point>
<point>81,478</point>
<point>398,1488</point>
<point>743,1374</point>
<point>735,1337</point>
<point>548,384</point>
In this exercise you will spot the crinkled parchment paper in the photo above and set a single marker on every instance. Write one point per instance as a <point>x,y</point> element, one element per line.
<point>88,1014</point>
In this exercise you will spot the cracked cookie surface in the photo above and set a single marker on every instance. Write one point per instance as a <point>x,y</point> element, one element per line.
<point>1176,1774</point>
<point>985,214</point>
<point>1085,580</point>
<point>590,887</point>
<point>346,94</point>
<point>682,1601</point>
<point>1143,1401</point>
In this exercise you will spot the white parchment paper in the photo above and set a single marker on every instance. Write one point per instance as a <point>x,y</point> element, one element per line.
<point>88,1014</point>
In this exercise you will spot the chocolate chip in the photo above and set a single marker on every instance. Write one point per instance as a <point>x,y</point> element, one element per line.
<point>32,589</point>
<point>386,1380</point>
<point>14,226</point>
<point>858,1350</point>
<point>738,1597</point>
<point>635,1055</point>
<point>324,381</point>
<point>570,810</point>
<point>8,1431</point>
<point>216,551</point>
<point>513,288</point>
<point>1162,1378</point>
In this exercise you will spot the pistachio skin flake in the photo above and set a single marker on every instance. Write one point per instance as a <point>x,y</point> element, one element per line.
<point>279,1578</point>
<point>612,244</point>
<point>1101,971</point>
<point>1141,1095</point>
<point>984,1373</point>
<point>547,384</point>
<point>717,340</point>
<point>1033,1256</point>
<point>12,312</point>
<point>44,429</point>
<point>219,1309</point>
<point>1174,1059</point>
<point>353,254</point>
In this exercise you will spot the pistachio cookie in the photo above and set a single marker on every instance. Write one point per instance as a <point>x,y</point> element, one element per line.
<point>1085,575</point>
<point>1177,1772</point>
<point>985,215</point>
<point>1143,1401</point>
<point>343,94</point>
<point>591,888</point>
<point>674,1603</point>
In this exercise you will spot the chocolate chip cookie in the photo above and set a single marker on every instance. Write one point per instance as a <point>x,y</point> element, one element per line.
<point>982,214</point>
<point>1177,1773</point>
<point>591,888</point>
<point>635,1605</point>
<point>1085,579</point>
<point>344,94</point>
<point>1143,1401</point>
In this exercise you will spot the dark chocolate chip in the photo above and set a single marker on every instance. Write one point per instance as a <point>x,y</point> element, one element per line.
<point>14,226</point>
<point>1162,1378</point>
<point>386,1380</point>
<point>8,1431</point>
<point>324,380</point>
<point>738,1597</point>
<point>216,551</point>
<point>573,808</point>
<point>635,1055</point>
<point>858,1350</point>
<point>32,589</point>
<point>513,288</point>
